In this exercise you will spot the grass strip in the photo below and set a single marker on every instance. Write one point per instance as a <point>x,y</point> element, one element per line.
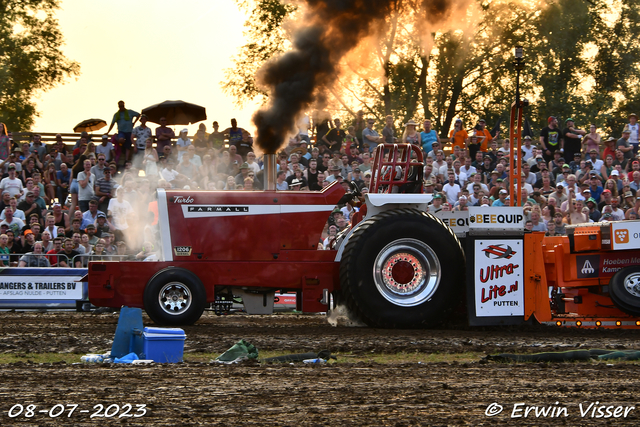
<point>382,358</point>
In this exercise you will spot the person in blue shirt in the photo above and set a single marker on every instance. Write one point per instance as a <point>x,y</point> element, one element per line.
<point>428,136</point>
<point>594,186</point>
<point>502,198</point>
<point>125,121</point>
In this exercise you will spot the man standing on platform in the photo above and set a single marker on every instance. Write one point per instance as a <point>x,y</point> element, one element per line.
<point>572,139</point>
<point>125,120</point>
<point>634,131</point>
<point>427,137</point>
<point>164,136</point>
<point>551,139</point>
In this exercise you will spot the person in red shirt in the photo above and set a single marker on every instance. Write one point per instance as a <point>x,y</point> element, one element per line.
<point>52,255</point>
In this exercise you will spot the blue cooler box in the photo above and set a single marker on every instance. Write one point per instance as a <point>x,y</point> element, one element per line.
<point>163,345</point>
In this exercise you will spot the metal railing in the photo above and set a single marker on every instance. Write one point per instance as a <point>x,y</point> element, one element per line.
<point>54,259</point>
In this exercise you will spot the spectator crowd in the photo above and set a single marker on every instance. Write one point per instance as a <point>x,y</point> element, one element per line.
<point>62,205</point>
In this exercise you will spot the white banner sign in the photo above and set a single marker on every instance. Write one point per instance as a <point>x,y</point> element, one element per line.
<point>457,221</point>
<point>40,287</point>
<point>497,218</point>
<point>625,235</point>
<point>498,276</point>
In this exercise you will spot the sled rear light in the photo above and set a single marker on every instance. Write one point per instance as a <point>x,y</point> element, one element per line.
<point>578,323</point>
<point>598,323</point>
<point>637,322</point>
<point>558,323</point>
<point>98,267</point>
<point>618,323</point>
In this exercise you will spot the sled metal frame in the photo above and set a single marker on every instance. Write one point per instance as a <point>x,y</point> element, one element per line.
<point>550,267</point>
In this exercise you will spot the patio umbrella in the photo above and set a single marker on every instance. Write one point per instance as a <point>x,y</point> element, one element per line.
<point>89,125</point>
<point>176,112</point>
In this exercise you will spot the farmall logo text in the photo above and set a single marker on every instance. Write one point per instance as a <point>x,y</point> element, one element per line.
<point>224,209</point>
<point>182,199</point>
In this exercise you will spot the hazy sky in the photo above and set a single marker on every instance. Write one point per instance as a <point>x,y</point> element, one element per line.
<point>145,52</point>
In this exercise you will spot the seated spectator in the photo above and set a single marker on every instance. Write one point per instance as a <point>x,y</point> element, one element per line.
<point>333,230</point>
<point>92,239</point>
<point>172,176</point>
<point>77,243</point>
<point>103,225</point>
<point>42,204</point>
<point>296,185</point>
<point>502,199</point>
<point>52,254</point>
<point>70,258</point>
<point>6,197</point>
<point>4,250</point>
<point>86,183</point>
<point>281,183</point>
<point>148,252</point>
<point>50,183</point>
<point>35,258</point>
<point>187,168</point>
<point>15,224</point>
<point>25,244</point>
<point>297,176</point>
<point>90,216</point>
<point>248,183</point>
<point>104,190</point>
<point>75,228</point>
<point>63,179</point>
<point>98,253</point>
<point>84,243</point>
<point>47,244</point>
<point>109,248</point>
<point>17,213</point>
<point>29,205</point>
<point>12,183</point>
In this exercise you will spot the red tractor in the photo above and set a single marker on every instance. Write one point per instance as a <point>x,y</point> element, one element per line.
<point>395,267</point>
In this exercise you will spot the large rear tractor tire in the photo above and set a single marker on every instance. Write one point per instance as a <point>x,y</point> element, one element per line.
<point>175,297</point>
<point>624,290</point>
<point>402,269</point>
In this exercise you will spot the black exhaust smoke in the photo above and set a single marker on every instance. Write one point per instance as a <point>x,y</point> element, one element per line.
<point>300,77</point>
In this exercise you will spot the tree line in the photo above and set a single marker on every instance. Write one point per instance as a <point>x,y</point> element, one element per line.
<point>580,62</point>
<point>31,59</point>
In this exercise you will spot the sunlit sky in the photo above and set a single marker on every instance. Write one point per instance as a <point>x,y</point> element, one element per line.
<point>145,52</point>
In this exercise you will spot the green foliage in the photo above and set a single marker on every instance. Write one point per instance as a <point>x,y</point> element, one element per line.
<point>581,62</point>
<point>267,39</point>
<point>30,58</point>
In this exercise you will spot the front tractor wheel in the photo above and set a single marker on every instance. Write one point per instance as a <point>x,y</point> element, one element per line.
<point>174,297</point>
<point>624,290</point>
<point>402,269</point>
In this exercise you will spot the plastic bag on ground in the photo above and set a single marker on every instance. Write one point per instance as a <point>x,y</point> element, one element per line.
<point>242,350</point>
<point>127,358</point>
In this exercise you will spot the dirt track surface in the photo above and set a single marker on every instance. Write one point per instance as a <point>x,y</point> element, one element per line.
<point>444,393</point>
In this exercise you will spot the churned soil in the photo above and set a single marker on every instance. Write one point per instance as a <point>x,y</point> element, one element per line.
<point>343,393</point>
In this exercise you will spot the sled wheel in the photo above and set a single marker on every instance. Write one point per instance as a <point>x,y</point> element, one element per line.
<point>624,290</point>
<point>174,297</point>
<point>402,269</point>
